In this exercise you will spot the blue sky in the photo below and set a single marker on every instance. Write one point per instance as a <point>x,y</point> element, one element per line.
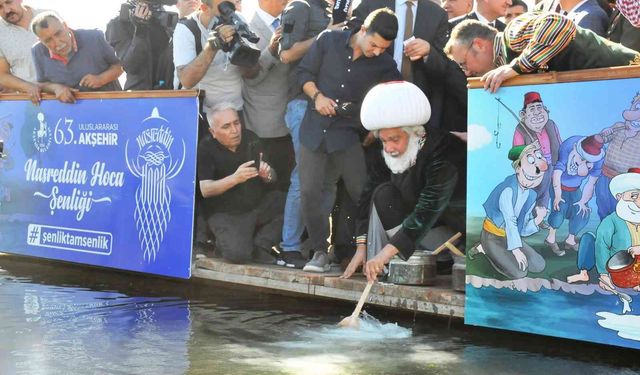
<point>580,108</point>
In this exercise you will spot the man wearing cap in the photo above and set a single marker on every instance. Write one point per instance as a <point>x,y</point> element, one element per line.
<point>580,158</point>
<point>532,43</point>
<point>536,126</point>
<point>623,142</point>
<point>419,182</point>
<point>509,210</point>
<point>617,232</point>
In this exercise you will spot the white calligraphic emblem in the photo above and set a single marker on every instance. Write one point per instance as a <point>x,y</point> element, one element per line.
<point>154,165</point>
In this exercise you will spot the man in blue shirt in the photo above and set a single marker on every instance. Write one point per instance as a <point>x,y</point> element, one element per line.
<point>579,158</point>
<point>509,211</point>
<point>336,73</point>
<point>69,61</point>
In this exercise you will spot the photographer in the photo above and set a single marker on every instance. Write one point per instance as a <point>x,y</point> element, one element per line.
<point>141,37</point>
<point>199,61</point>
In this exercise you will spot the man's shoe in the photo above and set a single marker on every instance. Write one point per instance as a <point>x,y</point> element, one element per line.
<point>319,263</point>
<point>574,247</point>
<point>555,248</point>
<point>293,259</point>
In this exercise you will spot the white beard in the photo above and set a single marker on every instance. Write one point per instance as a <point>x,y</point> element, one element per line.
<point>399,164</point>
<point>628,211</point>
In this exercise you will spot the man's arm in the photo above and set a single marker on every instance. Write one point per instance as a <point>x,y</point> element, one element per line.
<point>63,93</point>
<point>212,188</point>
<point>308,71</point>
<point>510,220</point>
<point>296,52</point>
<point>267,61</point>
<point>96,81</point>
<point>13,83</point>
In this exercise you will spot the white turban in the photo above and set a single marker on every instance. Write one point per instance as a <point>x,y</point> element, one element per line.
<point>393,105</point>
<point>625,182</point>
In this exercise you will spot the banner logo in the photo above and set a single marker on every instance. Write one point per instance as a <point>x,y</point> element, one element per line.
<point>154,165</point>
<point>41,134</point>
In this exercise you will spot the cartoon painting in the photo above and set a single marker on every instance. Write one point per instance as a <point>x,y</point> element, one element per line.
<point>553,211</point>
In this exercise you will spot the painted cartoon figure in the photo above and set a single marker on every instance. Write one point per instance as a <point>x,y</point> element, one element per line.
<point>620,231</point>
<point>536,126</point>
<point>580,159</point>
<point>623,143</point>
<point>509,217</point>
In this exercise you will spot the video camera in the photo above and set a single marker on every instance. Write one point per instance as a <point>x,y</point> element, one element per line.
<point>242,48</point>
<point>166,19</point>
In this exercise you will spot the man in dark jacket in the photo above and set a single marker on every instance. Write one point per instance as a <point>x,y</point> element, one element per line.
<point>141,38</point>
<point>420,182</point>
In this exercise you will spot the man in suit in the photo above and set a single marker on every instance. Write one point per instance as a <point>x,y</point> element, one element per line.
<point>421,61</point>
<point>457,8</point>
<point>586,14</point>
<point>487,12</point>
<point>264,90</point>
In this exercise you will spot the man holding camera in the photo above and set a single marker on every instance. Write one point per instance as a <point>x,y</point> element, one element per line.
<point>141,37</point>
<point>336,73</point>
<point>199,61</point>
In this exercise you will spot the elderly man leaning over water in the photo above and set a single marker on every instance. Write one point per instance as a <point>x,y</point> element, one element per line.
<point>419,183</point>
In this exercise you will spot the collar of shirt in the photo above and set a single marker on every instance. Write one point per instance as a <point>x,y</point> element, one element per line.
<point>572,10</point>
<point>484,20</point>
<point>65,61</point>
<point>266,18</point>
<point>401,13</point>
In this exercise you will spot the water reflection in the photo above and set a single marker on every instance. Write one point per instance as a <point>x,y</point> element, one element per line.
<point>58,319</point>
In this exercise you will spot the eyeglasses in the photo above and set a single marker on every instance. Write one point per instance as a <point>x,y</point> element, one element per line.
<point>463,65</point>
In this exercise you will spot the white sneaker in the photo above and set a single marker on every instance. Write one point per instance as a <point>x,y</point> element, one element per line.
<point>319,263</point>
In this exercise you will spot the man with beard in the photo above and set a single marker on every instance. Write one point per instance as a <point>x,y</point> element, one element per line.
<point>419,183</point>
<point>17,72</point>
<point>623,142</point>
<point>580,159</point>
<point>535,126</point>
<point>509,211</point>
<point>618,231</point>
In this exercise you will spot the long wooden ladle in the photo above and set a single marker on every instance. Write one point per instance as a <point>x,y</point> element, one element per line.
<point>353,320</point>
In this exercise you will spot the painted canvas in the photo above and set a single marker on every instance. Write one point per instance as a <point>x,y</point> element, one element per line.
<point>553,214</point>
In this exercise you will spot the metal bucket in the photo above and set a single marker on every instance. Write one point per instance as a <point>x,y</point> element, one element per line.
<point>624,269</point>
<point>458,273</point>
<point>419,269</point>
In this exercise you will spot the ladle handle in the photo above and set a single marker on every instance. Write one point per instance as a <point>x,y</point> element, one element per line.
<point>363,298</point>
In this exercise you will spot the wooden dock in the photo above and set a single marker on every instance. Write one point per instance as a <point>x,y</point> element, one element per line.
<point>439,299</point>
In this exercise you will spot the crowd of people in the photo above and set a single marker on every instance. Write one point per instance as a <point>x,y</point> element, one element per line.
<point>362,121</point>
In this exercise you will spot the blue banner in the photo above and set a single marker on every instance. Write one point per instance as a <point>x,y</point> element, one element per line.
<point>105,182</point>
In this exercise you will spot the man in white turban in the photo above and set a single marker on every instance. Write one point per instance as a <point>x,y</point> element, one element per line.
<point>420,182</point>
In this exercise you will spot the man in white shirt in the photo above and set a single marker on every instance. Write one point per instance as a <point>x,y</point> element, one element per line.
<point>17,71</point>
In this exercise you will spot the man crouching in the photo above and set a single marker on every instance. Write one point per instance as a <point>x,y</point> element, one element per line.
<point>420,182</point>
<point>245,217</point>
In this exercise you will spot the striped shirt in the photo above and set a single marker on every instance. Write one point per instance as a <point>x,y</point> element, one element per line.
<point>537,37</point>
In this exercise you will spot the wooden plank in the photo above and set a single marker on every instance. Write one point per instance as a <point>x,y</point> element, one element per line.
<point>113,95</point>
<point>617,72</point>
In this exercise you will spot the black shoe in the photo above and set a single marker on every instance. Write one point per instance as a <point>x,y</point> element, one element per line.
<point>293,259</point>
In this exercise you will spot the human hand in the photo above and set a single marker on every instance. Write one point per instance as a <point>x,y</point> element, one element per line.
<point>417,49</point>
<point>337,26</point>
<point>556,203</point>
<point>245,172</point>
<point>275,39</point>
<point>374,267</point>
<point>65,94</point>
<point>583,208</point>
<point>358,260</point>
<point>521,259</point>
<point>141,13</point>
<point>265,171</point>
<point>226,33</point>
<point>494,78</point>
<point>634,251</point>
<point>91,81</point>
<point>35,93</point>
<point>325,106</point>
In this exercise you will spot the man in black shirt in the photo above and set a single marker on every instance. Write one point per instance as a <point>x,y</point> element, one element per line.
<point>336,73</point>
<point>243,214</point>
